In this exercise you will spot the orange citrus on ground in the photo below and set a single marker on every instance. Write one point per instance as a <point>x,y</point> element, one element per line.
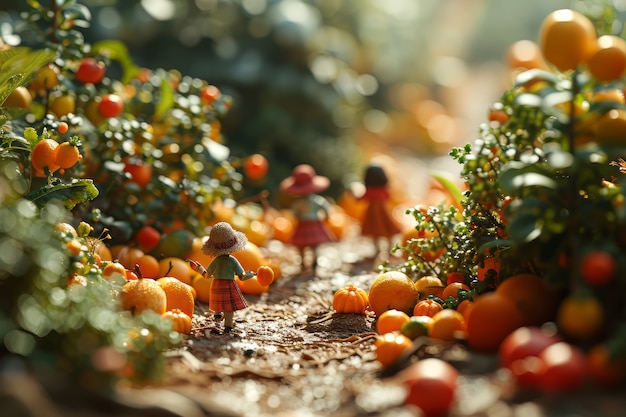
<point>179,295</point>
<point>177,268</point>
<point>202,286</point>
<point>567,39</point>
<point>448,325</point>
<point>417,326</point>
<point>250,257</point>
<point>390,346</point>
<point>114,271</point>
<point>143,294</point>
<point>492,318</point>
<point>392,290</point>
<point>128,255</point>
<point>148,265</point>
<point>532,297</point>
<point>391,321</point>
<point>580,317</point>
<point>196,254</point>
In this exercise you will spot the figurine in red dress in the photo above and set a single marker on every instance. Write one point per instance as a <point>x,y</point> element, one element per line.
<point>377,221</point>
<point>309,208</point>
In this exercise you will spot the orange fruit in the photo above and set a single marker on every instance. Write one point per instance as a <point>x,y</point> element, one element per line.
<point>465,307</point>
<point>178,268</point>
<point>265,275</point>
<point>429,285</point>
<point>179,295</point>
<point>608,62</point>
<point>350,299</point>
<point>250,257</point>
<point>196,254</point>
<point>128,255</point>
<point>524,54</point>
<point>66,155</point>
<point>492,318</point>
<point>114,271</point>
<point>202,286</point>
<point>427,307</point>
<point>532,297</point>
<point>580,317</point>
<point>452,290</point>
<point>143,294</point>
<point>390,346</point>
<point>181,322</point>
<point>63,105</point>
<point>42,155</point>
<point>391,321</point>
<point>251,286</point>
<point>611,127</point>
<point>392,290</point>
<point>97,247</point>
<point>567,39</point>
<point>20,98</point>
<point>148,265</point>
<point>412,233</point>
<point>448,325</point>
<point>603,369</point>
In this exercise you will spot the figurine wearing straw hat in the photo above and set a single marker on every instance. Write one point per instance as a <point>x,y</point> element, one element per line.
<point>225,296</point>
<point>310,209</point>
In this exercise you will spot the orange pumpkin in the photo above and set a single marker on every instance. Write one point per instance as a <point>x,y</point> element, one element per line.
<point>265,275</point>
<point>181,321</point>
<point>427,307</point>
<point>350,299</point>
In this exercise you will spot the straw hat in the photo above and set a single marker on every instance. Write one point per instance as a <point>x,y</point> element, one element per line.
<point>303,181</point>
<point>223,239</point>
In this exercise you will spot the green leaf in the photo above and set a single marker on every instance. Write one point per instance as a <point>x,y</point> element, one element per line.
<point>71,194</point>
<point>118,51</point>
<point>535,74</point>
<point>524,228</point>
<point>451,188</point>
<point>17,65</point>
<point>516,175</point>
<point>166,98</point>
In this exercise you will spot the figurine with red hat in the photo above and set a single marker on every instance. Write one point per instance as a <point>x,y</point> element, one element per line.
<point>225,296</point>
<point>309,208</point>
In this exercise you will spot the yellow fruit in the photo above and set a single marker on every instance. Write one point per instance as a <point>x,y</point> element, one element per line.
<point>179,295</point>
<point>567,39</point>
<point>202,286</point>
<point>20,97</point>
<point>143,294</point>
<point>392,290</point>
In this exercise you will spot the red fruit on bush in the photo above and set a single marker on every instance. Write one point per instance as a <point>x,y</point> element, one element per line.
<point>141,174</point>
<point>148,238</point>
<point>90,70</point>
<point>598,267</point>
<point>255,167</point>
<point>111,105</point>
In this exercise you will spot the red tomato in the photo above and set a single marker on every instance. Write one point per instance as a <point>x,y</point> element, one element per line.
<point>563,368</point>
<point>90,70</point>
<point>111,105</point>
<point>255,167</point>
<point>141,173</point>
<point>598,267</point>
<point>148,238</point>
<point>432,385</point>
<point>519,352</point>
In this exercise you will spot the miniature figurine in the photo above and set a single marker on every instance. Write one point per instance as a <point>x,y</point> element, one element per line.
<point>225,297</point>
<point>377,221</point>
<point>310,210</point>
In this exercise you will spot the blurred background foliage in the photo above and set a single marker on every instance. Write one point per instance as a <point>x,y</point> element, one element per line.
<point>330,82</point>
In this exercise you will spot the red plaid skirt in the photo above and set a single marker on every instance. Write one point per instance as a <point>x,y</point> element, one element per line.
<point>311,233</point>
<point>226,296</point>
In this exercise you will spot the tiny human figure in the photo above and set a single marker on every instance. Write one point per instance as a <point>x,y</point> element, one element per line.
<point>310,209</point>
<point>377,221</point>
<point>225,296</point>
